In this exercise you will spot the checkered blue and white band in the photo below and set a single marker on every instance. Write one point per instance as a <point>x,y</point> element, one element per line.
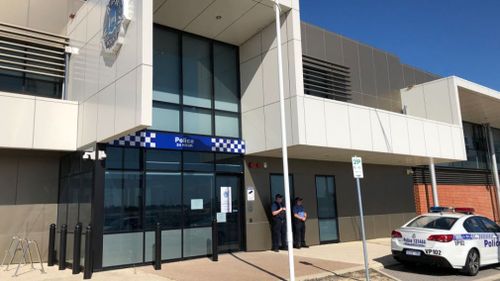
<point>150,139</point>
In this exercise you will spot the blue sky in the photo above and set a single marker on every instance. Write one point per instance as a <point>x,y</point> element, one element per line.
<point>445,37</point>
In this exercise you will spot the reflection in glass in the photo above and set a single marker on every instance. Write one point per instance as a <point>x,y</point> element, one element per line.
<point>226,77</point>
<point>163,200</point>
<point>197,194</point>
<point>163,160</point>
<point>198,161</point>
<point>166,117</point>
<point>166,57</point>
<point>227,124</point>
<point>122,201</point>
<point>327,213</point>
<point>197,121</point>
<point>196,72</point>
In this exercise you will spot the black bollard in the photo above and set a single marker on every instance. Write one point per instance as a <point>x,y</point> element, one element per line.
<point>157,264</point>
<point>62,247</point>
<point>52,243</point>
<point>87,267</point>
<point>77,244</point>
<point>215,246</point>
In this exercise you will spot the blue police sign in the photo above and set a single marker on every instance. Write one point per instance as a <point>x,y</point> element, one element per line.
<point>115,24</point>
<point>151,139</point>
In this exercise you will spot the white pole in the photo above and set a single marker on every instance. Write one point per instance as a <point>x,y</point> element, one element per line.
<point>284,145</point>
<point>494,168</point>
<point>363,236</point>
<point>434,183</point>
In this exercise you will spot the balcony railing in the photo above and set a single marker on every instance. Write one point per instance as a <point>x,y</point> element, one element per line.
<point>32,62</point>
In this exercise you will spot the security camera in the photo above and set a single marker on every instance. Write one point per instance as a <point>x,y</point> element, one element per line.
<point>88,155</point>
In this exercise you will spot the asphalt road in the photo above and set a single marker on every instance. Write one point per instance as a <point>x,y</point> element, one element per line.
<point>426,273</point>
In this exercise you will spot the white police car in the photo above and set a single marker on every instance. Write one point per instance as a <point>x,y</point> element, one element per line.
<point>449,237</point>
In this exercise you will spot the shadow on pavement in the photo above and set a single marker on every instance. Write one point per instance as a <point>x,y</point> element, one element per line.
<point>329,271</point>
<point>386,260</point>
<point>257,267</point>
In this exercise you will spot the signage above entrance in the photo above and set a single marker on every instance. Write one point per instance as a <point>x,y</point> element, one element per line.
<point>149,139</point>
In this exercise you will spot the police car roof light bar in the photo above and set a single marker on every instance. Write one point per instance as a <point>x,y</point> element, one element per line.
<point>467,211</point>
<point>440,209</point>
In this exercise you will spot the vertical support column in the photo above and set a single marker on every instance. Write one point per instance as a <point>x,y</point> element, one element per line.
<point>432,170</point>
<point>493,159</point>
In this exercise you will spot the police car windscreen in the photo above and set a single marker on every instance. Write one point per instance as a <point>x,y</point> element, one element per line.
<point>445,223</point>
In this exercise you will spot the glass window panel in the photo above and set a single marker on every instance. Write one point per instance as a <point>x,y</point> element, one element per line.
<point>163,200</point>
<point>171,245</point>
<point>43,86</point>
<point>85,196</point>
<point>166,117</point>
<point>166,70</point>
<point>197,121</point>
<point>325,194</point>
<point>226,77</point>
<point>163,160</point>
<point>114,157</point>
<point>277,186</point>
<point>328,230</point>
<point>122,201</point>
<point>229,231</point>
<point>198,161</point>
<point>120,249</point>
<point>197,241</point>
<point>131,158</point>
<point>228,163</point>
<point>11,81</point>
<point>197,199</point>
<point>227,124</point>
<point>197,72</point>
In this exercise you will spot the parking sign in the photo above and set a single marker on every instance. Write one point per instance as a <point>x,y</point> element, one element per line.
<point>357,167</point>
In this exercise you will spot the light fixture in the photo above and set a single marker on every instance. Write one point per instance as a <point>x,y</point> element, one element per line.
<point>218,17</point>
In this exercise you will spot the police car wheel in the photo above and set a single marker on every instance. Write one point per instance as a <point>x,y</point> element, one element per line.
<point>471,267</point>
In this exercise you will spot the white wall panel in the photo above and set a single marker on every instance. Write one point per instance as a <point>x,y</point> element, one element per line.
<point>361,132</point>
<point>314,109</point>
<point>251,48</point>
<point>415,135</point>
<point>458,142</point>
<point>37,123</point>
<point>273,125</point>
<point>94,73</point>
<point>337,125</point>
<point>437,101</point>
<point>17,125</point>
<point>446,142</point>
<point>251,84</point>
<point>253,131</point>
<point>381,131</point>
<point>431,136</point>
<point>399,134</point>
<point>55,125</point>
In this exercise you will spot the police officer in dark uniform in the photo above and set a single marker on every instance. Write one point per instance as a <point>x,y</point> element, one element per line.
<point>278,213</point>
<point>299,224</point>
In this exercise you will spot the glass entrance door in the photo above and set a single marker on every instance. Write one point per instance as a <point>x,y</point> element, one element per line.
<point>197,200</point>
<point>327,209</point>
<point>228,212</point>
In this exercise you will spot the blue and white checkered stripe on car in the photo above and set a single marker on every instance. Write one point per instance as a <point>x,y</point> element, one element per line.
<point>138,139</point>
<point>228,145</point>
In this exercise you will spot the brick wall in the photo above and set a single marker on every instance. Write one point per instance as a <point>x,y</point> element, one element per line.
<point>482,198</point>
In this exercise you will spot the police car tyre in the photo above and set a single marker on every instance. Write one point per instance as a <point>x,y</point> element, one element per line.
<point>472,263</point>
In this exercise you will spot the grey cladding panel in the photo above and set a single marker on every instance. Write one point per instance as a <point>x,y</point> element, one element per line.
<point>351,60</point>
<point>420,77</point>
<point>381,74</point>
<point>333,45</point>
<point>395,73</point>
<point>368,85</point>
<point>409,76</point>
<point>303,34</point>
<point>315,42</point>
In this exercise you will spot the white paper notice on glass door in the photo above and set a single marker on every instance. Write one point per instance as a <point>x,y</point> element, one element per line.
<point>226,199</point>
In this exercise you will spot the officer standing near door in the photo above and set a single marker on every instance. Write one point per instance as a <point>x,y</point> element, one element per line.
<point>299,224</point>
<point>278,213</point>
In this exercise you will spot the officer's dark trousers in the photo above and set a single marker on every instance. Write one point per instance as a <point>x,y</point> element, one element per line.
<point>299,232</point>
<point>279,233</point>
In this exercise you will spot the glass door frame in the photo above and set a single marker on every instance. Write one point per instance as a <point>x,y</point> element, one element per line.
<point>336,209</point>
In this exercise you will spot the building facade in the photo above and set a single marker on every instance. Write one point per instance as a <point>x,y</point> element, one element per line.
<point>134,113</point>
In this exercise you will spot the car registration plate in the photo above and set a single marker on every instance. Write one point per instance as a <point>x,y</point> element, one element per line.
<point>413,253</point>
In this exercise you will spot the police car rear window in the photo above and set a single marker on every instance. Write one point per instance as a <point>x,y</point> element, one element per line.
<point>445,223</point>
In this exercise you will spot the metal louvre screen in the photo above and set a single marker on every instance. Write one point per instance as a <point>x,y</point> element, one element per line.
<point>31,62</point>
<point>326,80</point>
<point>453,177</point>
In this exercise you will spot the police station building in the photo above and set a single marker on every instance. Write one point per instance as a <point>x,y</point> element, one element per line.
<point>121,114</point>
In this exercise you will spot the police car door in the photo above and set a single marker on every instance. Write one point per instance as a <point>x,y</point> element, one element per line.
<point>480,238</point>
<point>494,243</point>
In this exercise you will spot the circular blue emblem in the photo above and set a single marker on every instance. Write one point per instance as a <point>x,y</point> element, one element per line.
<point>113,20</point>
